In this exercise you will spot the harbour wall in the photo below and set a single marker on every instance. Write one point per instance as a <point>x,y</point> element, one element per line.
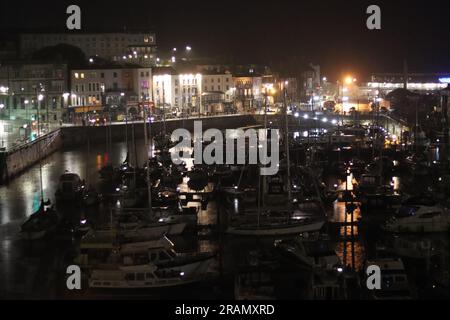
<point>74,136</point>
<point>17,160</point>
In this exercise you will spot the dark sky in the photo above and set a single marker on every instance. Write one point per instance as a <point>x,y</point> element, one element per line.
<point>281,33</point>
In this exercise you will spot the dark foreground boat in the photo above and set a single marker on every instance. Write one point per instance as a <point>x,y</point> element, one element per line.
<point>40,223</point>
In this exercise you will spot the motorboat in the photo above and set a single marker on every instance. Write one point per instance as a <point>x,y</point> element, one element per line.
<point>40,223</point>
<point>141,277</point>
<point>313,252</point>
<point>394,281</point>
<point>70,187</point>
<point>411,218</point>
<point>277,228</point>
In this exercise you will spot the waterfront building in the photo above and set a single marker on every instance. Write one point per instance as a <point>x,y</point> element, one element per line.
<point>21,84</point>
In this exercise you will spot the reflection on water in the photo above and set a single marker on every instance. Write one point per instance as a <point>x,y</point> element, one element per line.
<point>24,266</point>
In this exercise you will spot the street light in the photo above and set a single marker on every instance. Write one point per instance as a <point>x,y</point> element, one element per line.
<point>348,80</point>
<point>188,48</point>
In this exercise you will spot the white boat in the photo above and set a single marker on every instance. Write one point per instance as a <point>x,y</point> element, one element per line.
<point>153,230</point>
<point>394,281</point>
<point>141,232</point>
<point>419,219</point>
<point>276,229</point>
<point>140,277</point>
<point>172,215</point>
<point>101,255</point>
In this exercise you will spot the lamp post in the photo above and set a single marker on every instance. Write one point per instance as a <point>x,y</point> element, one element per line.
<point>2,106</point>
<point>65,104</point>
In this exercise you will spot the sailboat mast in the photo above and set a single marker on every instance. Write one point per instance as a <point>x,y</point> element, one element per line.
<point>39,144</point>
<point>149,191</point>
<point>133,138</point>
<point>287,149</point>
<point>164,109</point>
<point>87,156</point>
<point>126,130</point>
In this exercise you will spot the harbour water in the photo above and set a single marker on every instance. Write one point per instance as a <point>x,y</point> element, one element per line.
<point>38,269</point>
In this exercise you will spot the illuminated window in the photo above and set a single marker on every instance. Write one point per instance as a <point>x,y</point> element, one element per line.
<point>76,75</point>
<point>82,76</point>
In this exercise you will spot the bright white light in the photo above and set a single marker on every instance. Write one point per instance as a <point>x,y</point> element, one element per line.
<point>188,48</point>
<point>173,59</point>
<point>340,269</point>
<point>91,60</point>
<point>2,105</point>
<point>122,94</point>
<point>296,115</point>
<point>306,116</point>
<point>324,79</point>
<point>316,98</point>
<point>325,120</point>
<point>334,121</point>
<point>40,97</point>
<point>174,49</point>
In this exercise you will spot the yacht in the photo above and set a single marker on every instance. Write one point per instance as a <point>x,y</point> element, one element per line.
<point>394,281</point>
<point>419,219</point>
<point>277,228</point>
<point>70,187</point>
<point>315,252</point>
<point>101,254</point>
<point>141,277</point>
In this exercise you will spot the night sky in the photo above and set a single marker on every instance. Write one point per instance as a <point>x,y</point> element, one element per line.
<point>284,34</point>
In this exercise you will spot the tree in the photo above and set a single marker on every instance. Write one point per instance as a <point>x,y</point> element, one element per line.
<point>62,53</point>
